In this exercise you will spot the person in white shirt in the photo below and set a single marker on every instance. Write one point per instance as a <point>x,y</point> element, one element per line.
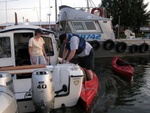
<point>36,49</point>
<point>77,45</point>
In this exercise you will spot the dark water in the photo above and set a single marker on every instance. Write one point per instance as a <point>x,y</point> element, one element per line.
<point>116,95</point>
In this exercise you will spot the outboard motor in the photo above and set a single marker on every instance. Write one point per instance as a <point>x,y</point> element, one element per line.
<point>8,102</point>
<point>42,91</point>
<point>6,80</point>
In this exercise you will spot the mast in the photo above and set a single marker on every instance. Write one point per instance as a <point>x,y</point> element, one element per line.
<point>49,15</point>
<point>40,12</point>
<point>6,7</point>
<point>6,10</point>
<point>55,10</point>
<point>88,7</point>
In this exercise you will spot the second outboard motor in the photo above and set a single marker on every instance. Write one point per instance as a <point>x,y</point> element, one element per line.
<point>42,91</point>
<point>6,80</point>
<point>8,102</point>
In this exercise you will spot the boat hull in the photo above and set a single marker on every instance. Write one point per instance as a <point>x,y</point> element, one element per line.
<point>124,70</point>
<point>89,91</point>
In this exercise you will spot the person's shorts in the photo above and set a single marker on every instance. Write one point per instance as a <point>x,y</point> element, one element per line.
<point>87,61</point>
<point>39,60</point>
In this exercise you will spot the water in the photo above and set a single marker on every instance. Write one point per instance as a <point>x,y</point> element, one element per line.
<point>116,95</point>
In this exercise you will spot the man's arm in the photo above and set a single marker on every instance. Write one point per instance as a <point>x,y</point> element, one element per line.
<point>65,52</point>
<point>71,55</point>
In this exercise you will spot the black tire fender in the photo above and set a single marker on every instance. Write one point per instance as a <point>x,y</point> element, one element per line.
<point>143,48</point>
<point>95,44</point>
<point>121,47</point>
<point>109,44</point>
<point>134,48</point>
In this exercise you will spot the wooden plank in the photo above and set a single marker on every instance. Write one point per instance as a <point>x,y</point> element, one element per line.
<point>24,71</point>
<point>22,67</point>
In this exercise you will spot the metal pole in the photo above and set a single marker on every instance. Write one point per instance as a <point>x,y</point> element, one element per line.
<point>56,10</point>
<point>88,6</point>
<point>5,1</point>
<point>49,14</point>
<point>23,19</point>
<point>118,26</point>
<point>40,12</point>
<point>49,20</point>
<point>6,10</point>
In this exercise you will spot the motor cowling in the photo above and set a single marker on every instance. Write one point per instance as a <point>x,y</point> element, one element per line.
<point>42,91</point>
<point>6,80</point>
<point>8,102</point>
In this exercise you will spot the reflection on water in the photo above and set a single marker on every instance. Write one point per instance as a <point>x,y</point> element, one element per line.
<point>117,96</point>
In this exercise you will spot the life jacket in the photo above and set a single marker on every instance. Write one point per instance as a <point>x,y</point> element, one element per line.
<point>81,46</point>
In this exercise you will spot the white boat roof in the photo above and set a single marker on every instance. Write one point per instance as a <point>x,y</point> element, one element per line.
<point>69,13</point>
<point>23,27</point>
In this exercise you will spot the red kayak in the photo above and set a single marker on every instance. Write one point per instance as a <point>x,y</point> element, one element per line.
<point>89,91</point>
<point>123,69</point>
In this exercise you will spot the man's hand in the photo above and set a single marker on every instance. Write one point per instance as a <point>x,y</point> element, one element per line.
<point>65,62</point>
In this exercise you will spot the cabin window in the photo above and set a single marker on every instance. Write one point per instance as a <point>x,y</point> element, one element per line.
<point>86,26</point>
<point>78,25</point>
<point>48,46</point>
<point>90,26</point>
<point>5,50</point>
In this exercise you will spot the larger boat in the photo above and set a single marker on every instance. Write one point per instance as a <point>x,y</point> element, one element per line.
<point>98,31</point>
<point>37,88</point>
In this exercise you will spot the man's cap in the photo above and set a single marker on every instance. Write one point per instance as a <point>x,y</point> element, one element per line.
<point>38,31</point>
<point>62,37</point>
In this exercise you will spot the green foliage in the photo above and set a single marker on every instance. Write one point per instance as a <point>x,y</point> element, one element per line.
<point>132,13</point>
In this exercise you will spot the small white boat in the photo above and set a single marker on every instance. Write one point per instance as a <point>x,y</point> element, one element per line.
<point>29,88</point>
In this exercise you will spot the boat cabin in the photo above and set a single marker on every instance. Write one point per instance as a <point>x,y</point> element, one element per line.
<point>87,25</point>
<point>14,45</point>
